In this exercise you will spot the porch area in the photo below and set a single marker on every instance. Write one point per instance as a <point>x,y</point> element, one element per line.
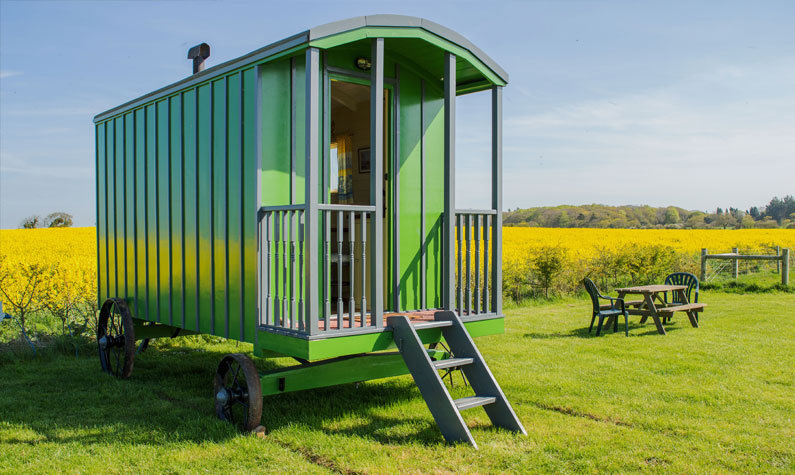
<point>327,269</point>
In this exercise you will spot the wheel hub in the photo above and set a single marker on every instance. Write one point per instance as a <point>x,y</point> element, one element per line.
<point>223,397</point>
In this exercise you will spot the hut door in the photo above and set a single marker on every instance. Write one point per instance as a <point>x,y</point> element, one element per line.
<point>348,170</point>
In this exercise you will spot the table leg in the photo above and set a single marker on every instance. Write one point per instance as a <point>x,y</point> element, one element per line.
<point>691,314</point>
<point>649,298</point>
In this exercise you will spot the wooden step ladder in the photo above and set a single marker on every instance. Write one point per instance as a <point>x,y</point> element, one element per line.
<point>465,355</point>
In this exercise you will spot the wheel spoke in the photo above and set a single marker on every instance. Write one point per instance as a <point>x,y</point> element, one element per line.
<point>234,380</point>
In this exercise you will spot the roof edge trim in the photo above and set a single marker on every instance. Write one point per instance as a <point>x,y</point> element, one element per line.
<point>343,26</point>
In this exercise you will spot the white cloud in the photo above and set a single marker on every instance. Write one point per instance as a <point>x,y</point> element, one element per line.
<point>7,74</point>
<point>30,166</point>
<point>704,140</point>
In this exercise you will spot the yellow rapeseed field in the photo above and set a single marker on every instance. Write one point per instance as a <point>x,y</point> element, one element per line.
<point>51,270</point>
<point>586,243</point>
<point>64,259</point>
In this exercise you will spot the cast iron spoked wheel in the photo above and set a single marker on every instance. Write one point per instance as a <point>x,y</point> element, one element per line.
<point>116,338</point>
<point>238,394</point>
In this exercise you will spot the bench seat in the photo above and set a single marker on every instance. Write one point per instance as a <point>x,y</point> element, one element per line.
<point>695,307</point>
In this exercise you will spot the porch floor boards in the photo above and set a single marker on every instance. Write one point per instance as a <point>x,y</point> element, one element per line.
<point>414,315</point>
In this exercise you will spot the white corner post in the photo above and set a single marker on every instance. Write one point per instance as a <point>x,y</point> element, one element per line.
<point>449,182</point>
<point>377,180</point>
<point>496,198</point>
<point>311,221</point>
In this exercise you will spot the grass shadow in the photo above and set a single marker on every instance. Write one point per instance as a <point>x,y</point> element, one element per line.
<point>170,395</point>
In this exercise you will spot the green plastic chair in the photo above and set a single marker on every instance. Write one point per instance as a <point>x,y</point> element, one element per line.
<point>681,278</point>
<point>616,308</point>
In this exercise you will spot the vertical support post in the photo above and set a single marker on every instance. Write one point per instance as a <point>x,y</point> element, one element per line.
<point>496,198</point>
<point>310,188</point>
<point>394,174</point>
<point>449,181</point>
<point>423,234</point>
<point>785,266</point>
<point>735,265</point>
<point>377,179</point>
<point>778,263</point>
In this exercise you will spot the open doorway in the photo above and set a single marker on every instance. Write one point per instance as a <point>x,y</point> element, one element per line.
<point>349,179</point>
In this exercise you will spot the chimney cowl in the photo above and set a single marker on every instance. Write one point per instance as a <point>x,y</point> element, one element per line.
<point>198,54</point>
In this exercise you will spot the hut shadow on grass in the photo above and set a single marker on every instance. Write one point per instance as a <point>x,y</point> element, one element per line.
<point>169,397</point>
<point>352,411</point>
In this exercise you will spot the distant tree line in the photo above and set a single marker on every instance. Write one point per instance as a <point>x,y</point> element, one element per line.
<point>779,213</point>
<point>58,219</point>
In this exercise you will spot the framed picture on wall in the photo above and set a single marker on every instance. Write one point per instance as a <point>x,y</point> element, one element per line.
<point>364,160</point>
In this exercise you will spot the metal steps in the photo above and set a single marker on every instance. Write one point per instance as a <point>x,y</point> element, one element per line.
<point>424,325</point>
<point>470,402</point>
<point>445,410</point>
<point>452,363</point>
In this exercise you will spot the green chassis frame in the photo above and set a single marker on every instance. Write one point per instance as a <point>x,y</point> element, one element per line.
<point>337,367</point>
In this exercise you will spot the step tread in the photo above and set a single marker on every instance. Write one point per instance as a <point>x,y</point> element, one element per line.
<point>452,362</point>
<point>470,402</point>
<point>432,324</point>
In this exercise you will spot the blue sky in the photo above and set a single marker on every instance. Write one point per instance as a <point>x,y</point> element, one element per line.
<point>614,102</point>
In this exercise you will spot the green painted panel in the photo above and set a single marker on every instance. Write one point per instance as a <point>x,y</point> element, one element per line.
<point>320,349</point>
<point>434,194</point>
<point>298,192</point>
<point>205,203</point>
<point>275,80</point>
<point>152,269</point>
<point>275,113</point>
<point>176,264</point>
<point>345,57</point>
<point>219,116</point>
<point>163,213</point>
<point>410,192</point>
<point>110,203</point>
<point>250,205</point>
<point>234,206</point>
<point>189,199</point>
<point>118,163</point>
<point>323,374</point>
<point>139,133</point>
<point>102,217</point>
<point>129,212</point>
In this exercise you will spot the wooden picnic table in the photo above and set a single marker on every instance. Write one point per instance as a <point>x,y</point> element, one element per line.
<point>654,306</point>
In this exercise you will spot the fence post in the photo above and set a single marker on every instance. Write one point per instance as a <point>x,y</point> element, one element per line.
<point>736,265</point>
<point>778,263</point>
<point>703,265</point>
<point>785,266</point>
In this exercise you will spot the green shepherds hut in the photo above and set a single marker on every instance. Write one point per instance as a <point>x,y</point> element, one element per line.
<point>302,198</point>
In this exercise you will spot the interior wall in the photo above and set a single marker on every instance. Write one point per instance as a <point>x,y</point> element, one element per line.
<point>357,124</point>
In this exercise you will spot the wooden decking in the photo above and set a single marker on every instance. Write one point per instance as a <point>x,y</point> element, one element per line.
<point>414,315</point>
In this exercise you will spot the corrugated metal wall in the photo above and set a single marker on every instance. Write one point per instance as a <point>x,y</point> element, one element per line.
<point>177,207</point>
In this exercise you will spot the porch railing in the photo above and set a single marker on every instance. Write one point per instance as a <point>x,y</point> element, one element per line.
<point>281,267</point>
<point>344,236</point>
<point>474,261</point>
<point>343,272</point>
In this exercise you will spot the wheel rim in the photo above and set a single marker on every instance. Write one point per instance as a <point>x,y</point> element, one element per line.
<point>115,339</point>
<point>238,395</point>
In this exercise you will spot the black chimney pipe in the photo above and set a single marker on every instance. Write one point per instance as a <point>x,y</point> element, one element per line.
<point>198,54</point>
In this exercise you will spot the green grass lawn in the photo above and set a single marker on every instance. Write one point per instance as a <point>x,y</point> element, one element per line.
<point>713,399</point>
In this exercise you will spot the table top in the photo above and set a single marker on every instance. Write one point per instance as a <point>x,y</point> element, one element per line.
<point>650,289</point>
